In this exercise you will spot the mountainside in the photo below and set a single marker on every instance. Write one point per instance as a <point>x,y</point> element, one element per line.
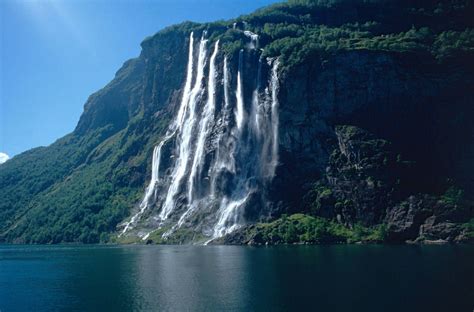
<point>307,121</point>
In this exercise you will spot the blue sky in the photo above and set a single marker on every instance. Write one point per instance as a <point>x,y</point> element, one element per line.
<point>54,54</point>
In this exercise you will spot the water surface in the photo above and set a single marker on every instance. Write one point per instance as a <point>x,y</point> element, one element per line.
<point>235,278</point>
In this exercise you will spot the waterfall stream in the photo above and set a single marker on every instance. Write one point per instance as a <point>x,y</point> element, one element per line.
<point>225,146</point>
<point>239,93</point>
<point>184,142</point>
<point>205,125</point>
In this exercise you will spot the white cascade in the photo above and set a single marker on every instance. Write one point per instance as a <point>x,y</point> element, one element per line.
<point>274,85</point>
<point>237,145</point>
<point>185,136</point>
<point>224,159</point>
<point>178,122</point>
<point>151,188</point>
<point>257,109</point>
<point>205,126</point>
<point>253,39</point>
<point>229,217</point>
<point>239,112</point>
<point>230,211</point>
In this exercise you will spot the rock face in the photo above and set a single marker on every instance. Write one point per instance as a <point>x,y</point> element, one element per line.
<point>367,135</point>
<point>405,219</point>
<point>385,94</point>
<point>372,129</point>
<point>427,218</point>
<point>363,174</point>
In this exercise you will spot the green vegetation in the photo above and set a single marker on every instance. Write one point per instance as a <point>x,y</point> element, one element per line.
<point>76,190</point>
<point>469,228</point>
<point>81,187</point>
<point>320,40</point>
<point>300,29</point>
<point>301,228</point>
<point>453,196</point>
<point>179,236</point>
<point>319,196</point>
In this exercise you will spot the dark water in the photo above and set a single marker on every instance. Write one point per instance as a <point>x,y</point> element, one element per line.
<point>227,278</point>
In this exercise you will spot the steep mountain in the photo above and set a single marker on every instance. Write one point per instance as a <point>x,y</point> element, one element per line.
<point>306,121</point>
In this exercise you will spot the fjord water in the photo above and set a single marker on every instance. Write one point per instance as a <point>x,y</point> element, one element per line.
<point>234,278</point>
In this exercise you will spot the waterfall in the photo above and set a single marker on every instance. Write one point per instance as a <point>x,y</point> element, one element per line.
<point>205,125</point>
<point>230,214</point>
<point>151,188</point>
<point>274,85</point>
<point>239,112</point>
<point>224,154</point>
<point>256,107</point>
<point>225,149</point>
<point>224,158</point>
<point>226,85</point>
<point>228,218</point>
<point>187,86</point>
<point>185,141</point>
<point>253,39</point>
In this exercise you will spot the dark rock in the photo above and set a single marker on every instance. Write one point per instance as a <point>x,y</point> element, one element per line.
<point>431,230</point>
<point>426,218</point>
<point>402,104</point>
<point>404,220</point>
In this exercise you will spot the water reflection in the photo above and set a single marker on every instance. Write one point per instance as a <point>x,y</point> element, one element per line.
<point>234,278</point>
<point>191,278</point>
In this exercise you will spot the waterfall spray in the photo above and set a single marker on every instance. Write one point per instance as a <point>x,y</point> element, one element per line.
<point>256,119</point>
<point>230,211</point>
<point>224,157</point>
<point>204,128</point>
<point>184,139</point>
<point>151,188</point>
<point>253,39</point>
<point>274,84</point>
<point>204,125</point>
<point>239,148</point>
<point>239,113</point>
<point>178,123</point>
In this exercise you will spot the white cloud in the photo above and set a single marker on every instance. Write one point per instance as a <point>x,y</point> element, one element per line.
<point>3,157</point>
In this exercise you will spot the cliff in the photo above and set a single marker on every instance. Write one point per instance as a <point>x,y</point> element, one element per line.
<point>374,104</point>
